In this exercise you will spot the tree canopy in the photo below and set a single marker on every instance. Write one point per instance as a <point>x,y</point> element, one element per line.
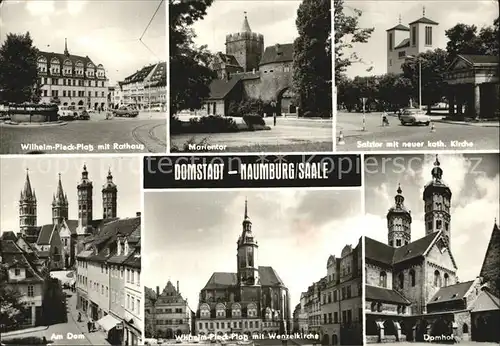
<point>12,306</point>
<point>190,74</point>
<point>18,70</point>
<point>467,39</point>
<point>347,32</point>
<point>312,59</point>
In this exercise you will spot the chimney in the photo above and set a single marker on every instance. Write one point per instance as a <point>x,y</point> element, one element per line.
<point>138,214</point>
<point>157,291</point>
<point>177,286</point>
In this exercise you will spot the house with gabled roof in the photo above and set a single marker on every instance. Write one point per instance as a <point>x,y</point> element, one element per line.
<point>412,288</point>
<point>24,276</point>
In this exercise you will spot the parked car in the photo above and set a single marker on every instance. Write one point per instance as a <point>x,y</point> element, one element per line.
<point>82,114</point>
<point>67,113</point>
<point>414,117</point>
<point>125,111</point>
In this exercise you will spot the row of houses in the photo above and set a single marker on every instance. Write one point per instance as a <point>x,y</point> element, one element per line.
<point>108,280</point>
<point>332,307</point>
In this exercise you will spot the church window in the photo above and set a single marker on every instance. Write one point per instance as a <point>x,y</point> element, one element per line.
<point>439,224</point>
<point>414,36</point>
<point>374,306</point>
<point>429,225</point>
<point>391,243</point>
<point>465,328</point>
<point>399,309</point>
<point>398,242</point>
<point>401,280</point>
<point>379,307</point>
<point>446,226</point>
<point>412,278</point>
<point>437,278</point>
<point>383,279</point>
<point>446,279</point>
<point>428,35</point>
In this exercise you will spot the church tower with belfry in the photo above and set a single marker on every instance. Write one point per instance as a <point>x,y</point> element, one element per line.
<point>399,222</point>
<point>85,199</point>
<point>59,204</point>
<point>109,197</point>
<point>437,199</point>
<point>248,270</point>
<point>27,207</point>
<point>246,46</point>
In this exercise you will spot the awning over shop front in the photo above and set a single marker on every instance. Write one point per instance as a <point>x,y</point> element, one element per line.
<point>108,322</point>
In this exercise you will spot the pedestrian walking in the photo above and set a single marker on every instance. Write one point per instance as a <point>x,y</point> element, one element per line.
<point>79,316</point>
<point>273,105</point>
<point>89,326</point>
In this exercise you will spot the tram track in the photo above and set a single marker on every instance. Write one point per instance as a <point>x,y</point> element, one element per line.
<point>151,142</point>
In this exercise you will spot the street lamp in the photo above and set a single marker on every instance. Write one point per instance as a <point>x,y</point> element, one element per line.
<point>411,57</point>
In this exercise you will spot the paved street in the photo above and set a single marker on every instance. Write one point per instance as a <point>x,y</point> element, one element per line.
<point>289,134</point>
<point>70,333</point>
<point>478,136</point>
<point>146,133</point>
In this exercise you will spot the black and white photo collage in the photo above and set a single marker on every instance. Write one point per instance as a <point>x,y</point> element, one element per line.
<point>337,148</point>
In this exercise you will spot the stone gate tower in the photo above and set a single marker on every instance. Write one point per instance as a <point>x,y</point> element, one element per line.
<point>59,204</point>
<point>109,197</point>
<point>437,197</point>
<point>246,46</point>
<point>85,199</point>
<point>248,270</point>
<point>399,222</point>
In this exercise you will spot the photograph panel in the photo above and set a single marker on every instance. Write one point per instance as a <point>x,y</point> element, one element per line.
<point>266,267</point>
<point>259,80</point>
<point>71,250</point>
<point>417,75</point>
<point>432,254</point>
<point>83,77</point>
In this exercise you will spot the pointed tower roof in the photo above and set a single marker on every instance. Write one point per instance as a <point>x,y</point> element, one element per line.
<point>60,193</point>
<point>246,236</point>
<point>109,185</point>
<point>491,262</point>
<point>399,207</point>
<point>437,183</point>
<point>84,182</point>
<point>245,27</point>
<point>66,52</point>
<point>27,192</point>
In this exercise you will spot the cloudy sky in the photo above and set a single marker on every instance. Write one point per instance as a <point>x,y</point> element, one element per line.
<point>273,19</point>
<point>107,31</point>
<point>190,235</point>
<point>473,180</point>
<point>43,172</point>
<point>383,15</point>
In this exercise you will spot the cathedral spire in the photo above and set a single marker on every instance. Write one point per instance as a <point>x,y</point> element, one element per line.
<point>60,192</point>
<point>27,192</point>
<point>245,27</point>
<point>437,172</point>
<point>66,52</point>
<point>246,209</point>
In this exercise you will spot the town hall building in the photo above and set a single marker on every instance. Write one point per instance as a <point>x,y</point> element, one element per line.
<point>252,300</point>
<point>412,289</point>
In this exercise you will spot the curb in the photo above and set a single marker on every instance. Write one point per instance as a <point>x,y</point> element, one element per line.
<point>29,125</point>
<point>24,331</point>
<point>464,123</point>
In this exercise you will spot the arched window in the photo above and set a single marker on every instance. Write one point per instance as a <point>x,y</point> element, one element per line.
<point>374,306</point>
<point>383,279</point>
<point>437,278</point>
<point>446,279</point>
<point>401,278</point>
<point>465,329</point>
<point>412,278</point>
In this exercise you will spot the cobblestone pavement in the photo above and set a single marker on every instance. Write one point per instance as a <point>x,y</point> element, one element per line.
<point>146,133</point>
<point>446,136</point>
<point>288,133</point>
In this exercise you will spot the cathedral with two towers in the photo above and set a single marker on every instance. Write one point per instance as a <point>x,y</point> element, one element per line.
<point>411,287</point>
<point>59,241</point>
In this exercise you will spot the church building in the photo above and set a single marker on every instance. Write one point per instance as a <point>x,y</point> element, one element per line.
<point>409,41</point>
<point>252,300</point>
<point>412,288</point>
<point>58,241</point>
